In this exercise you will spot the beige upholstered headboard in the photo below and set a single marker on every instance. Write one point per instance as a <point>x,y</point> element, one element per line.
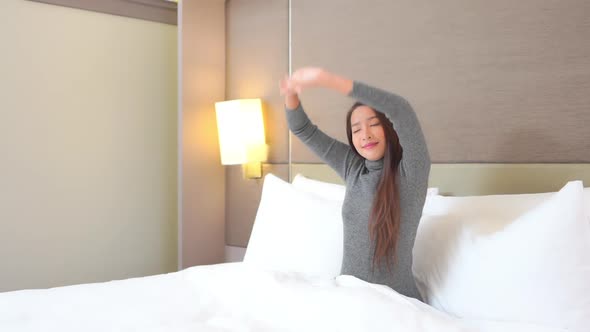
<point>481,179</point>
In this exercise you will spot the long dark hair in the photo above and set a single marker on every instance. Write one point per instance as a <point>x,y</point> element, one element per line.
<point>384,221</point>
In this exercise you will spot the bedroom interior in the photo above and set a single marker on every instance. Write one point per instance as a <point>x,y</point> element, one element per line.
<point>500,89</point>
<point>462,67</point>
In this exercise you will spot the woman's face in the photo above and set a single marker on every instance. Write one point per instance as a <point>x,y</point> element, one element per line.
<point>368,136</point>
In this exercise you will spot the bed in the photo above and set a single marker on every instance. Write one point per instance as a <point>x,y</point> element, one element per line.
<point>469,284</point>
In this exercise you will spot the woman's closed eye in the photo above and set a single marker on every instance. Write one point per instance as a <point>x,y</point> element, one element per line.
<point>376,124</point>
<point>356,131</point>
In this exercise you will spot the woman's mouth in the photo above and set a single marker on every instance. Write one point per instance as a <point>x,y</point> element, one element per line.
<point>370,145</point>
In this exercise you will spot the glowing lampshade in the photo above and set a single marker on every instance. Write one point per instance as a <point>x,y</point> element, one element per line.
<point>241,131</point>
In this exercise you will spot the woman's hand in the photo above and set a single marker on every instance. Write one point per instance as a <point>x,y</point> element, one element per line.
<point>307,77</point>
<point>300,79</point>
<point>286,89</point>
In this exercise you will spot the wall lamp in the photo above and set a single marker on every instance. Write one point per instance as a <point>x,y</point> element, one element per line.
<point>241,135</point>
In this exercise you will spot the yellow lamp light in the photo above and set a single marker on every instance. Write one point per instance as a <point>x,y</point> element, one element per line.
<point>241,134</point>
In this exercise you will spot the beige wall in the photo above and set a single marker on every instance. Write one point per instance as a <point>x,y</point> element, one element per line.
<point>202,27</point>
<point>491,81</point>
<point>88,146</point>
<point>257,58</point>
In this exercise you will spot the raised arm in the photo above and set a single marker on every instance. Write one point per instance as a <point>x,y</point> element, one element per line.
<point>396,108</point>
<point>404,120</point>
<point>337,155</point>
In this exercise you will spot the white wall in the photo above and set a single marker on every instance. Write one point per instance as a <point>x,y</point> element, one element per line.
<point>88,146</point>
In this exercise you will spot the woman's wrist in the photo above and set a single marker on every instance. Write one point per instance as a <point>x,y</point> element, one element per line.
<point>291,101</point>
<point>336,82</point>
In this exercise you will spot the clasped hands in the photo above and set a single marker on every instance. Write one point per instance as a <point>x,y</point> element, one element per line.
<point>301,79</point>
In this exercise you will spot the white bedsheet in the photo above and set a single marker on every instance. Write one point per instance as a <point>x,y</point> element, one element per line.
<point>230,297</point>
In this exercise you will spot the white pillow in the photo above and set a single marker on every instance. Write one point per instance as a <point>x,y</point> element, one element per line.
<point>506,207</point>
<point>432,191</point>
<point>323,189</point>
<point>296,231</point>
<point>532,268</point>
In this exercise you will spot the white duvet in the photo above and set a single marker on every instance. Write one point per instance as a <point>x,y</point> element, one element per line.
<point>230,297</point>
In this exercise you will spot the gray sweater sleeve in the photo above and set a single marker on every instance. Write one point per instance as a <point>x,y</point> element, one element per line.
<point>415,160</point>
<point>405,122</point>
<point>337,155</point>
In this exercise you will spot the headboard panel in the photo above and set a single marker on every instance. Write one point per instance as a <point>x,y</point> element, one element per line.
<point>480,179</point>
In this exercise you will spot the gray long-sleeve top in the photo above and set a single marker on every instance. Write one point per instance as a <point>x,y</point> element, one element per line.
<point>362,177</point>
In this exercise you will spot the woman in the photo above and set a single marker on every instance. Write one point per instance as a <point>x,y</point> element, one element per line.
<point>385,167</point>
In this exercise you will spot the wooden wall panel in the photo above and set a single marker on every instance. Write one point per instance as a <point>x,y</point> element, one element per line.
<point>202,83</point>
<point>491,81</point>
<point>257,57</point>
